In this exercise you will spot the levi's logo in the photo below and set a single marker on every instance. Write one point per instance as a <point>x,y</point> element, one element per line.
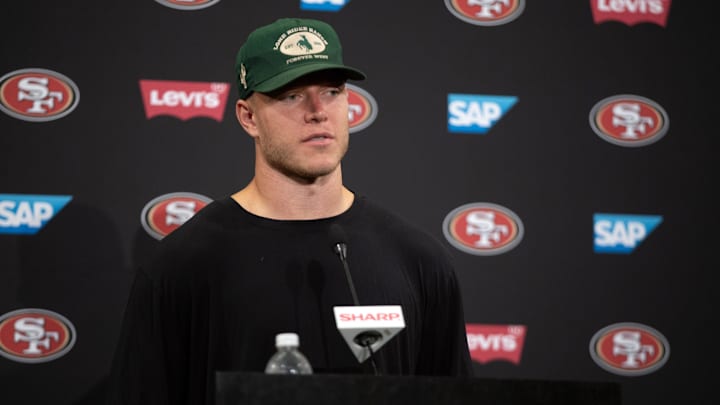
<point>495,342</point>
<point>184,100</point>
<point>631,12</point>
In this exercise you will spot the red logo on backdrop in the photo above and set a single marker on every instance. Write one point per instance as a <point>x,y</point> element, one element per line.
<point>629,120</point>
<point>483,229</point>
<point>362,108</point>
<point>167,212</point>
<point>187,4</point>
<point>184,100</point>
<point>486,12</point>
<point>37,95</point>
<point>495,342</point>
<point>631,12</point>
<point>629,349</point>
<point>35,335</point>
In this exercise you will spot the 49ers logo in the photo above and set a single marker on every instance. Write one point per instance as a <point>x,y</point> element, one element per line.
<point>629,120</point>
<point>486,12</point>
<point>167,212</point>
<point>362,108</point>
<point>483,229</point>
<point>37,95</point>
<point>35,335</point>
<point>629,349</point>
<point>187,4</point>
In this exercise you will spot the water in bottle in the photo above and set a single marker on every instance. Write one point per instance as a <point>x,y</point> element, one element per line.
<point>288,359</point>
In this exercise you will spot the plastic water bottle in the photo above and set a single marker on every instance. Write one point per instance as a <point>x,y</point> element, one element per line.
<point>288,359</point>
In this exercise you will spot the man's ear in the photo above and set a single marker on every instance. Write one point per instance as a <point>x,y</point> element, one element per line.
<point>245,116</point>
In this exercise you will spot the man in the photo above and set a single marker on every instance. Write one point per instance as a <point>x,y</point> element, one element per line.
<point>260,261</point>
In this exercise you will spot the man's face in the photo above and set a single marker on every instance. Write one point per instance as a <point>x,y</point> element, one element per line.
<point>302,129</point>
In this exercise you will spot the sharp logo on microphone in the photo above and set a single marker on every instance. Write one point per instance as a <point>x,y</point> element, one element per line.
<point>476,114</point>
<point>168,212</point>
<point>486,12</point>
<point>483,229</point>
<point>629,349</point>
<point>37,95</point>
<point>629,120</point>
<point>323,5</point>
<point>379,316</point>
<point>631,12</point>
<point>24,214</point>
<point>621,234</point>
<point>189,5</point>
<point>381,322</point>
<point>362,108</point>
<point>184,100</point>
<point>35,335</point>
<point>495,342</point>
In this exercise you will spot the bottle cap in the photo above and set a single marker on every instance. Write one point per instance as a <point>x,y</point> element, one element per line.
<point>287,339</point>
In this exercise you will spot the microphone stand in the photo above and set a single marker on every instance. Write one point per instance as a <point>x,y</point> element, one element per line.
<point>364,339</point>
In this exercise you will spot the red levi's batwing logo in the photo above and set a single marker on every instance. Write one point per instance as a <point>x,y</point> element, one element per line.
<point>184,100</point>
<point>495,342</point>
<point>631,12</point>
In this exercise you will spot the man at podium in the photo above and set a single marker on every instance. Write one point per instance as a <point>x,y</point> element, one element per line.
<point>261,260</point>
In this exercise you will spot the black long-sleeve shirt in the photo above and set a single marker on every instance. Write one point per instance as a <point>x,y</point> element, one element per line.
<point>223,284</point>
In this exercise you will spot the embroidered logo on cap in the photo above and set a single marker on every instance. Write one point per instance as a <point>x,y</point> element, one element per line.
<point>301,42</point>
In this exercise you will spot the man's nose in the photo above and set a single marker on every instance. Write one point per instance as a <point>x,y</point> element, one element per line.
<point>315,108</point>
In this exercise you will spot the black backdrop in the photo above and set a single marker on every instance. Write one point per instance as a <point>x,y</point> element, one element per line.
<point>542,160</point>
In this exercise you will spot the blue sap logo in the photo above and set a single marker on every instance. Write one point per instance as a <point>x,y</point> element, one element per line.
<point>27,214</point>
<point>323,5</point>
<point>476,114</point>
<point>615,233</point>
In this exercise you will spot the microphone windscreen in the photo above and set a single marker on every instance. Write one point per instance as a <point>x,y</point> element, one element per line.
<point>337,234</point>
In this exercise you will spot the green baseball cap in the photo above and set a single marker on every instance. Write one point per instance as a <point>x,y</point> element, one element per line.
<point>278,53</point>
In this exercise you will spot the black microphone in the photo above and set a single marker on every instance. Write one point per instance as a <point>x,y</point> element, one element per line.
<point>339,238</point>
<point>339,246</point>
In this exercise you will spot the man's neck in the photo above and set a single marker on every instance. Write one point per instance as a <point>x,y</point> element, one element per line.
<point>275,196</point>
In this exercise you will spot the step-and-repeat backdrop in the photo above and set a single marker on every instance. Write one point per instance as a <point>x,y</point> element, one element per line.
<point>562,150</point>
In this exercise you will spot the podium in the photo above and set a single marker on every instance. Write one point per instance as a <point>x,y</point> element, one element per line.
<point>247,388</point>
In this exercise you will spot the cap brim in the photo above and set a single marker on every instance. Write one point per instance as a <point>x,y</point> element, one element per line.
<point>288,76</point>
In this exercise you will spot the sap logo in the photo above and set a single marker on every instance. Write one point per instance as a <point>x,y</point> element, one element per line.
<point>615,233</point>
<point>27,214</point>
<point>323,5</point>
<point>476,114</point>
